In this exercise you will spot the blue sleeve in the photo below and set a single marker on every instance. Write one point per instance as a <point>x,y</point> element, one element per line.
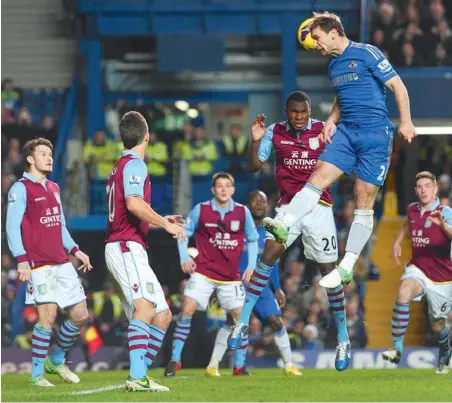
<point>266,145</point>
<point>447,215</point>
<point>17,203</point>
<point>378,65</point>
<point>274,277</point>
<point>68,242</point>
<point>190,226</point>
<point>135,174</point>
<point>252,238</point>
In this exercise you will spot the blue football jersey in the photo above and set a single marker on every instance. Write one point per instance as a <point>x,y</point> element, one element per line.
<point>358,76</point>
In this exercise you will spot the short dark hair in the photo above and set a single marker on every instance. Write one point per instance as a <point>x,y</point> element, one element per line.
<point>31,145</point>
<point>425,175</point>
<point>298,96</point>
<point>222,175</point>
<point>326,22</point>
<point>132,129</point>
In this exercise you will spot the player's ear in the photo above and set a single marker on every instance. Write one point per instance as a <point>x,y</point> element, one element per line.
<point>146,138</point>
<point>233,191</point>
<point>30,160</point>
<point>213,192</point>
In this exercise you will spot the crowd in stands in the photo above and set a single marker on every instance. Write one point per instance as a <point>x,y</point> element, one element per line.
<point>413,33</point>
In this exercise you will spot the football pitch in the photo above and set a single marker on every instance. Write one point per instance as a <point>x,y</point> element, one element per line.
<point>405,385</point>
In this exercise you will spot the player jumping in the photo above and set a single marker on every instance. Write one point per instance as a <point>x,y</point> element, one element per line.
<point>297,148</point>
<point>38,237</point>
<point>220,227</point>
<point>429,272</point>
<point>361,143</point>
<point>129,218</point>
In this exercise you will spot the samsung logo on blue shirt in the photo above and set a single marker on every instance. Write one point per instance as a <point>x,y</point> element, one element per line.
<point>345,78</point>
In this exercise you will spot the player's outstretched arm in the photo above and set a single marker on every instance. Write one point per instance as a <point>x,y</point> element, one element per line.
<point>140,209</point>
<point>397,247</point>
<point>17,203</point>
<point>257,134</point>
<point>406,128</point>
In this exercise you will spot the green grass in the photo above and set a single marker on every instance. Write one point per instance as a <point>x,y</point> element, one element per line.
<point>405,385</point>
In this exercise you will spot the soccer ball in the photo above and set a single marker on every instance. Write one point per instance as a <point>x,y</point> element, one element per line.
<point>304,35</point>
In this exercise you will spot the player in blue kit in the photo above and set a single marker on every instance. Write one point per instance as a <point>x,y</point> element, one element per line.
<point>359,136</point>
<point>267,308</point>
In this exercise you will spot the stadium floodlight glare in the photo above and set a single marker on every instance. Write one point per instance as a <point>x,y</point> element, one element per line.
<point>193,113</point>
<point>434,130</point>
<point>182,105</point>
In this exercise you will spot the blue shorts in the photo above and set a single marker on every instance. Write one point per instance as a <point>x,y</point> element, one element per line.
<point>364,150</point>
<point>266,306</point>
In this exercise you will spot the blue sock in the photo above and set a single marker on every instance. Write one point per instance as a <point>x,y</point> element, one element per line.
<point>66,338</point>
<point>180,336</point>
<point>399,324</point>
<point>336,298</point>
<point>155,342</point>
<point>240,353</point>
<point>40,341</point>
<point>258,281</point>
<point>444,341</point>
<point>138,335</point>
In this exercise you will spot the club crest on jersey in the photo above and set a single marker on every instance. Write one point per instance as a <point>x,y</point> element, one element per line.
<point>428,223</point>
<point>235,225</point>
<point>57,197</point>
<point>42,289</point>
<point>134,180</point>
<point>150,288</point>
<point>314,143</point>
<point>352,65</point>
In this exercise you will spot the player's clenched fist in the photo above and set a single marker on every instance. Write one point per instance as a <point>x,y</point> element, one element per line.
<point>407,131</point>
<point>24,271</point>
<point>189,266</point>
<point>327,132</point>
<point>258,128</point>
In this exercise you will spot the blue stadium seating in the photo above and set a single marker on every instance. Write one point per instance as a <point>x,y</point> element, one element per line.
<point>41,102</point>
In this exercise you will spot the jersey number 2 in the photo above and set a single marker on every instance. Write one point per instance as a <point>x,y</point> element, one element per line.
<point>111,202</point>
<point>382,173</point>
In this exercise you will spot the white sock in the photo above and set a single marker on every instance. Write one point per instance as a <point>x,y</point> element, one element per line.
<point>221,345</point>
<point>348,261</point>
<point>302,204</point>
<point>283,343</point>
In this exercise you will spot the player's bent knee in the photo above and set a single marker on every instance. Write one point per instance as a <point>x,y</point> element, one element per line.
<point>235,313</point>
<point>78,314</point>
<point>365,194</point>
<point>409,289</point>
<point>326,268</point>
<point>437,325</point>
<point>189,306</point>
<point>275,323</point>
<point>144,310</point>
<point>47,314</point>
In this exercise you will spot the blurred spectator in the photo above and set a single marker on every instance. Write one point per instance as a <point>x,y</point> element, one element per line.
<point>24,117</point>
<point>200,152</point>
<point>24,340</point>
<point>7,116</point>
<point>107,310</point>
<point>409,57</point>
<point>311,338</point>
<point>187,136</point>
<point>234,148</point>
<point>48,129</point>
<point>156,156</point>
<point>100,154</point>
<point>10,95</point>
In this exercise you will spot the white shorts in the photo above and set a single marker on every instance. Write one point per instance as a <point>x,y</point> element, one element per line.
<point>57,284</point>
<point>318,231</point>
<point>439,295</point>
<point>128,263</point>
<point>230,295</point>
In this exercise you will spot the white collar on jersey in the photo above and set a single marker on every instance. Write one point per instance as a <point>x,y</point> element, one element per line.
<point>308,126</point>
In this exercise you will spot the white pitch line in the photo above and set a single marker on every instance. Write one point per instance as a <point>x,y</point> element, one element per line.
<point>92,391</point>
